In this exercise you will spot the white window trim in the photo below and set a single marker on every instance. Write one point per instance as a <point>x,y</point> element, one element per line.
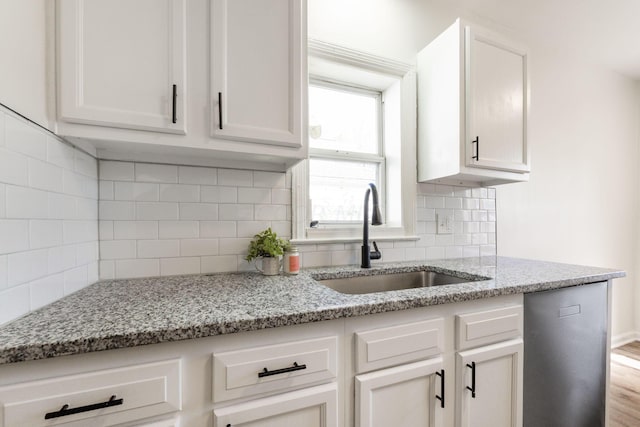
<point>405,73</point>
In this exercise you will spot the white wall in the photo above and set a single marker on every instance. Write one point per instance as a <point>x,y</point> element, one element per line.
<point>26,49</point>
<point>581,205</point>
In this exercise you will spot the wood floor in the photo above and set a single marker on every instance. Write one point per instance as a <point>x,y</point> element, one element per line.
<point>625,386</point>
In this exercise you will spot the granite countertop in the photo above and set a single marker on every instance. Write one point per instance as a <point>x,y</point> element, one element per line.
<point>126,313</point>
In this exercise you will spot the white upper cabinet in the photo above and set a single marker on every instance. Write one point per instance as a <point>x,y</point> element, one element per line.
<point>473,98</point>
<point>123,64</point>
<point>258,70</point>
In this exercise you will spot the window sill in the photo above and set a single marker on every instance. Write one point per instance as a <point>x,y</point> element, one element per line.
<point>329,240</point>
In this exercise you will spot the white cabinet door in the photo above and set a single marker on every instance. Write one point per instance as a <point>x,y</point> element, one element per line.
<point>122,63</point>
<point>310,407</point>
<point>496,92</point>
<point>489,386</point>
<point>403,396</point>
<point>258,64</point>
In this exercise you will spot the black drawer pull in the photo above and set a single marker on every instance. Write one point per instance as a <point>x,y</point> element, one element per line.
<point>174,117</point>
<point>473,379</point>
<point>66,411</point>
<point>477,142</point>
<point>266,373</point>
<point>220,110</point>
<point>441,397</point>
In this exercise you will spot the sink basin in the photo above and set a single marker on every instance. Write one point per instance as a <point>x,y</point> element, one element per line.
<point>393,282</point>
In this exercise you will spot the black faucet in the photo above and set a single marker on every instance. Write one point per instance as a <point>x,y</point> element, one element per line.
<point>376,219</point>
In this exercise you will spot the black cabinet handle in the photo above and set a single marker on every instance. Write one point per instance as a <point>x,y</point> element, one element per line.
<point>267,373</point>
<point>441,397</point>
<point>66,411</point>
<point>473,379</point>
<point>477,142</point>
<point>174,117</point>
<point>220,110</point>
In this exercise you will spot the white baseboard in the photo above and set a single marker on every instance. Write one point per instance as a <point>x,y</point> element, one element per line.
<point>626,338</point>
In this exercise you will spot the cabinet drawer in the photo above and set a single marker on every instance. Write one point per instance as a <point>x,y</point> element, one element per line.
<point>486,327</point>
<point>381,348</point>
<point>135,393</point>
<point>258,370</point>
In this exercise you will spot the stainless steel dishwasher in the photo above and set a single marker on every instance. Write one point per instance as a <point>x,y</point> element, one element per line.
<point>565,339</point>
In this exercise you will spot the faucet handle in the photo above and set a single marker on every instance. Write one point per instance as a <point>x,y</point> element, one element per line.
<point>375,253</point>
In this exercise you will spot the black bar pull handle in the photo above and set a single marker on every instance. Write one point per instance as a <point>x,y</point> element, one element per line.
<point>64,411</point>
<point>174,117</point>
<point>477,142</point>
<point>441,397</point>
<point>473,379</point>
<point>267,373</point>
<point>220,110</point>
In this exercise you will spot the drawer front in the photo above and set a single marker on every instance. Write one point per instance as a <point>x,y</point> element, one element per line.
<point>258,370</point>
<point>381,348</point>
<point>102,398</point>
<point>487,327</point>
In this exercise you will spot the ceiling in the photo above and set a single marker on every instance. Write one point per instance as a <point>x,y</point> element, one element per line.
<point>605,32</point>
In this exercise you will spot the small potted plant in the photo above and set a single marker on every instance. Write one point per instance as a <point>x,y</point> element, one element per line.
<point>267,246</point>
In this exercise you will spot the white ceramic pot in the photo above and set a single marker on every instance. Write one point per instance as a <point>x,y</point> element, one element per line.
<point>270,266</point>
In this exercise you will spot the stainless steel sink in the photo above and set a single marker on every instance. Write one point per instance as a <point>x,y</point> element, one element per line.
<point>393,282</point>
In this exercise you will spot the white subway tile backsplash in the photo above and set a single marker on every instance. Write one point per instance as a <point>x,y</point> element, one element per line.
<point>27,266</point>
<point>218,264</point>
<point>116,210</point>
<point>316,259</point>
<point>198,247</point>
<point>479,193</point>
<point>280,196</point>
<point>434,202</point>
<point>85,164</point>
<point>25,202</point>
<point>179,193</point>
<point>235,178</point>
<point>237,246</point>
<point>62,206</point>
<point>75,279</point>
<point>471,204</point>
<point>158,248</point>
<point>270,212</point>
<point>116,171</point>
<point>197,175</point>
<point>435,252</point>
<point>44,176</point>
<point>3,195</point>
<point>232,212</point>
<point>13,168</point>
<point>251,228</point>
<point>218,229</point>
<point>268,179</point>
<point>3,265</point>
<point>117,249</point>
<point>199,211</point>
<point>14,302</point>
<point>49,191</point>
<point>183,265</point>
<point>107,270</point>
<point>254,195</point>
<point>135,230</point>
<point>156,211</point>
<point>106,190</point>
<point>46,290</point>
<point>218,194</point>
<point>15,236</point>
<point>282,228</point>
<point>136,191</point>
<point>60,154</point>
<point>145,172</point>
<point>488,204</point>
<point>178,230</point>
<point>137,268</point>
<point>45,233</point>
<point>23,137</point>
<point>61,258</point>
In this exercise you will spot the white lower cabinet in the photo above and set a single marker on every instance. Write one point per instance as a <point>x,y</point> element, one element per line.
<point>489,385</point>
<point>310,407</point>
<point>406,395</point>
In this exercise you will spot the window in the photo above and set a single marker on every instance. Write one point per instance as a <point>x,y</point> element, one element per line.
<point>362,129</point>
<point>345,151</point>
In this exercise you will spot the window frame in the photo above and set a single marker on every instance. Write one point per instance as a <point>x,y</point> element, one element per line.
<point>336,59</point>
<point>355,156</point>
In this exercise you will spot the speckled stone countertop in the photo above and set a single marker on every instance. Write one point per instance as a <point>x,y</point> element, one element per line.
<point>126,313</point>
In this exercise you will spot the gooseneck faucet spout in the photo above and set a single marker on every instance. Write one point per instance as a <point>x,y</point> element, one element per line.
<point>376,219</point>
